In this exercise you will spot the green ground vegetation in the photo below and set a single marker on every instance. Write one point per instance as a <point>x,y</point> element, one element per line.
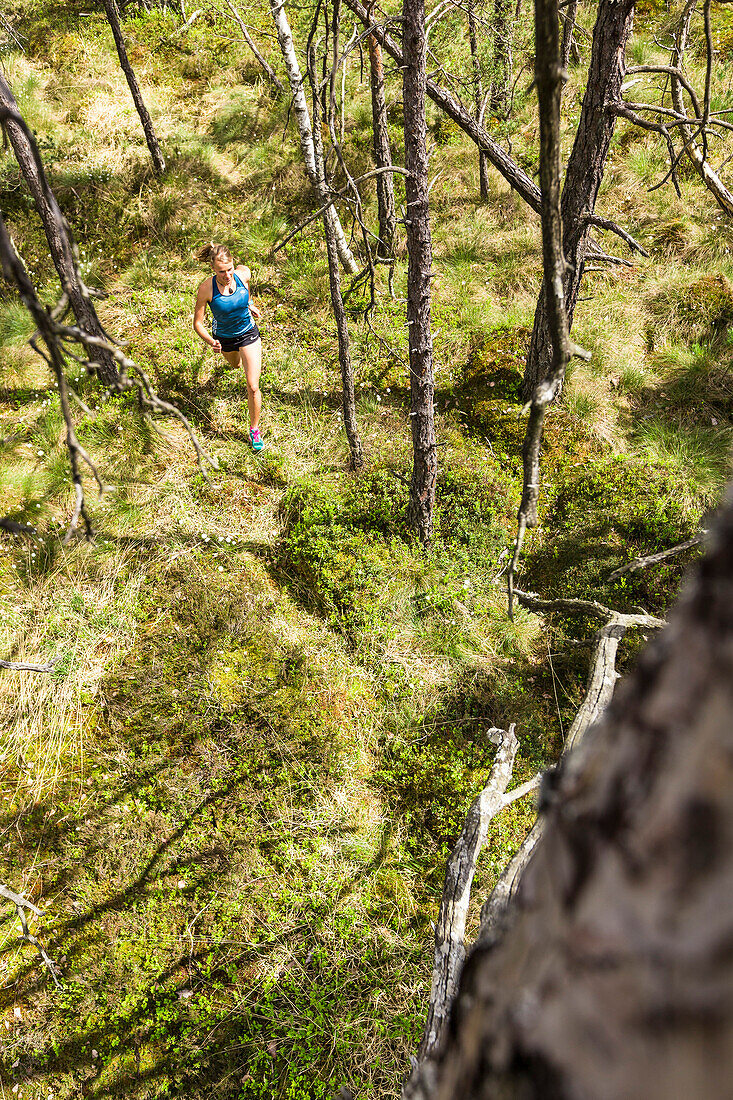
<point>235,796</point>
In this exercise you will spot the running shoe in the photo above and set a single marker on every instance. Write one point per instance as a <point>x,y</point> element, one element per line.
<point>255,439</point>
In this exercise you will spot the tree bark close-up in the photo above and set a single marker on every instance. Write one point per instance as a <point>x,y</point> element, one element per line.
<point>612,974</point>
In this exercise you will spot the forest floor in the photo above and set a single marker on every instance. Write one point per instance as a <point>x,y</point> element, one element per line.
<point>234,797</point>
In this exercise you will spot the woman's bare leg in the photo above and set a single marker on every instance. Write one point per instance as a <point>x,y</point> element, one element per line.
<point>252,363</point>
<point>232,357</point>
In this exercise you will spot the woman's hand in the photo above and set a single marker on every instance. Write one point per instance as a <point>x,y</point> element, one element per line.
<point>216,345</point>
<point>256,313</point>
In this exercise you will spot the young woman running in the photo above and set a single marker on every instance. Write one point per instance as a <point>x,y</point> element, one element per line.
<point>233,330</point>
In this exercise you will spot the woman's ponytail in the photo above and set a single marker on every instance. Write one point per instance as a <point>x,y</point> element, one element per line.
<point>210,252</point>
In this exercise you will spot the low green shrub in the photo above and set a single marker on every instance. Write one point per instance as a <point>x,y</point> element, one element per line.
<point>603,515</point>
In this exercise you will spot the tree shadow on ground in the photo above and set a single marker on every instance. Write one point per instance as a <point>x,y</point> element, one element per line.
<point>184,905</point>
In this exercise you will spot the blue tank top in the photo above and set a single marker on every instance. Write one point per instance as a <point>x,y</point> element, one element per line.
<point>230,312</point>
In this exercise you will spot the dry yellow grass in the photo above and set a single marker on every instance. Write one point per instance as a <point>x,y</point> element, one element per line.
<point>81,621</point>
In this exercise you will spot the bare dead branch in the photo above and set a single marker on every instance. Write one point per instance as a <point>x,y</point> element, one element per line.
<point>450,950</point>
<point>494,908</point>
<point>18,899</point>
<point>654,559</point>
<point>525,788</point>
<point>602,679</point>
<point>333,199</point>
<point>676,119</point>
<point>58,232</point>
<point>586,607</point>
<point>264,63</point>
<point>697,156</point>
<point>673,71</point>
<point>15,528</point>
<point>11,33</point>
<point>21,666</point>
<point>702,125</point>
<point>14,271</point>
<point>21,904</point>
<point>623,110</point>
<point>595,254</point>
<point>450,931</point>
<point>188,23</point>
<point>606,223</point>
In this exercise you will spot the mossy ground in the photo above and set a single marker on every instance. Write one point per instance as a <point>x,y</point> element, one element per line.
<point>235,796</point>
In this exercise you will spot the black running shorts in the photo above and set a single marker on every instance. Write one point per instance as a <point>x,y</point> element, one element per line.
<point>251,336</point>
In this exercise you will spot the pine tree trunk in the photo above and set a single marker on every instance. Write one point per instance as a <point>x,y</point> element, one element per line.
<point>334,278</point>
<point>571,12</point>
<point>113,18</point>
<point>419,248</point>
<point>585,170</point>
<point>613,976</point>
<point>58,235</point>
<point>302,117</point>
<point>502,60</point>
<point>478,95</point>
<point>382,151</point>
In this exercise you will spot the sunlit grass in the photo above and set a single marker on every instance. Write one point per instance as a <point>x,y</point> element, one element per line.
<point>78,619</point>
<point>699,457</point>
<point>16,325</point>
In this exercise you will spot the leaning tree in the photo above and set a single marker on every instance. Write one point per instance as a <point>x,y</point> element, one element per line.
<point>610,972</point>
<point>113,18</point>
<point>57,230</point>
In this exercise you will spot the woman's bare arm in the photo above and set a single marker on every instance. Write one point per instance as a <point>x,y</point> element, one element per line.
<point>204,296</point>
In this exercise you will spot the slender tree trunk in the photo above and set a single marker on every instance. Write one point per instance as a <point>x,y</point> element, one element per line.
<point>58,235</point>
<point>571,12</point>
<point>502,60</point>
<point>585,170</point>
<point>478,95</point>
<point>264,63</point>
<point>382,151</point>
<point>549,83</point>
<point>419,248</point>
<point>334,278</point>
<point>302,116</point>
<point>113,17</point>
